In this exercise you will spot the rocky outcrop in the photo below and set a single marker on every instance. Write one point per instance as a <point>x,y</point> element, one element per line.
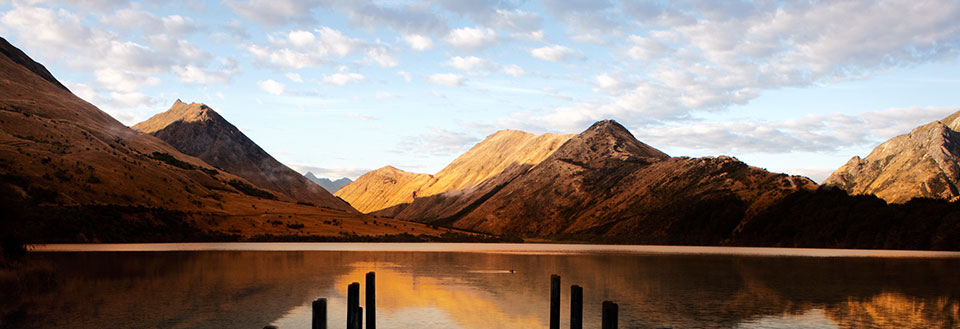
<point>388,186</point>
<point>922,163</point>
<point>198,130</point>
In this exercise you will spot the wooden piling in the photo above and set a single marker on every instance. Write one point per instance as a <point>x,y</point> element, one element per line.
<point>371,300</point>
<point>576,307</point>
<point>320,314</point>
<point>359,315</point>
<point>554,301</point>
<point>353,303</point>
<point>610,314</point>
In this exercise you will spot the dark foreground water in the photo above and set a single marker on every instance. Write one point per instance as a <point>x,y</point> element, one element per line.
<point>471,286</point>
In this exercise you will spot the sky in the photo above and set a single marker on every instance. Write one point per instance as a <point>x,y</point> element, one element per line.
<point>343,87</point>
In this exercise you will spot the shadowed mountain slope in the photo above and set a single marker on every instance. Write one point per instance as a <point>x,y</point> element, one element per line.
<point>198,130</point>
<point>388,186</point>
<point>921,163</point>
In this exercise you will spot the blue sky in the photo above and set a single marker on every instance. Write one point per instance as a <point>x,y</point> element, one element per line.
<point>343,87</point>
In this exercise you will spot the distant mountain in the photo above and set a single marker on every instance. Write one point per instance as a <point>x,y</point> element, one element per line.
<point>922,163</point>
<point>389,186</point>
<point>326,183</point>
<point>198,130</point>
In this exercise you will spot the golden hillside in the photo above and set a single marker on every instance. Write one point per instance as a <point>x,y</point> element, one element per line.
<point>388,186</point>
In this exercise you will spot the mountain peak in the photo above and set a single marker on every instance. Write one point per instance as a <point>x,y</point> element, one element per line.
<point>605,140</point>
<point>180,111</point>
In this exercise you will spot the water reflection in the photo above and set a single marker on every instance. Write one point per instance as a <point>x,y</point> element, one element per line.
<point>220,289</point>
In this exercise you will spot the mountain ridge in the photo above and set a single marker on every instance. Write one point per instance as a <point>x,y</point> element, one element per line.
<point>920,163</point>
<point>330,185</point>
<point>198,130</point>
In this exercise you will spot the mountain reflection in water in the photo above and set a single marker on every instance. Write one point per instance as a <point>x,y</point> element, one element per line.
<point>250,289</point>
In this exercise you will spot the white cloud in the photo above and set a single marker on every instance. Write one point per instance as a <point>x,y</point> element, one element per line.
<point>406,75</point>
<point>438,142</point>
<point>275,12</point>
<point>382,56</point>
<point>299,49</point>
<point>513,70</point>
<point>341,79</point>
<point>271,87</point>
<point>124,81</point>
<point>294,77</point>
<point>418,42</point>
<point>555,53</point>
<point>471,39</point>
<point>470,63</point>
<point>446,79</point>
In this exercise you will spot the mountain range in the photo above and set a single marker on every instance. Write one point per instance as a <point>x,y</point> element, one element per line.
<point>71,173</point>
<point>331,186</point>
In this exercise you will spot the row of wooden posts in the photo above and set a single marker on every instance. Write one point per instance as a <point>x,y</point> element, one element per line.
<point>355,312</point>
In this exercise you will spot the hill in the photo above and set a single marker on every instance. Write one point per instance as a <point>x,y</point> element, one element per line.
<point>389,186</point>
<point>922,163</point>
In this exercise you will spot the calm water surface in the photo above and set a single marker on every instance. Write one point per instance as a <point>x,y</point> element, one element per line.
<point>237,285</point>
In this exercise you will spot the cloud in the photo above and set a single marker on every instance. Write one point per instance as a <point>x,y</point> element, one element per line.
<point>382,56</point>
<point>513,70</point>
<point>812,133</point>
<point>275,12</point>
<point>299,48</point>
<point>470,63</point>
<point>446,79</point>
<point>341,79</point>
<point>294,77</point>
<point>271,87</point>
<point>555,53</point>
<point>438,142</point>
<point>697,57</point>
<point>418,42</point>
<point>406,75</point>
<point>407,19</point>
<point>471,39</point>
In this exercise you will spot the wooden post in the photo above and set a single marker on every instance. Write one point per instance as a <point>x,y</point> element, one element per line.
<point>371,300</point>
<point>320,313</point>
<point>359,315</point>
<point>554,301</point>
<point>610,311</point>
<point>353,303</point>
<point>576,307</point>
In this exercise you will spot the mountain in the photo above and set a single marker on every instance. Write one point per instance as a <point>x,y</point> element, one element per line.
<point>199,131</point>
<point>389,186</point>
<point>922,163</point>
<point>72,173</point>
<point>330,185</point>
<point>605,183</point>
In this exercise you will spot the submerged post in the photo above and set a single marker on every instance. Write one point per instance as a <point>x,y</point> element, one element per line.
<point>554,301</point>
<point>576,307</point>
<point>320,313</point>
<point>353,303</point>
<point>610,313</point>
<point>371,300</point>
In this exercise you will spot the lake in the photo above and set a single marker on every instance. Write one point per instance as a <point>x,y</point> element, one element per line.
<point>435,285</point>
